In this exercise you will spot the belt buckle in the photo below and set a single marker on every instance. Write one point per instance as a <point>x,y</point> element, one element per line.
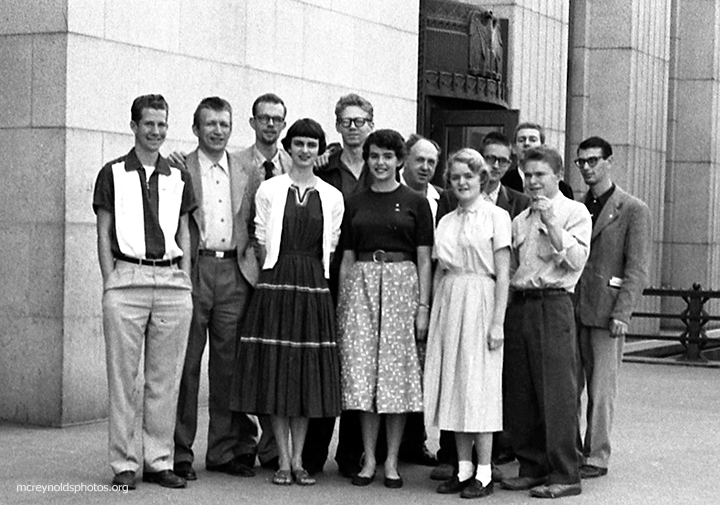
<point>378,256</point>
<point>219,254</point>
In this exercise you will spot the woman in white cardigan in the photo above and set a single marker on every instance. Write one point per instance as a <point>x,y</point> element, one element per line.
<point>287,363</point>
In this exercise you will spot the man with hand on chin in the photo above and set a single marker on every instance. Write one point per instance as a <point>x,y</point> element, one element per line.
<point>550,245</point>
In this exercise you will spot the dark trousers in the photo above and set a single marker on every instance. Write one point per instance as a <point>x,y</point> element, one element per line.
<point>541,380</point>
<point>220,297</point>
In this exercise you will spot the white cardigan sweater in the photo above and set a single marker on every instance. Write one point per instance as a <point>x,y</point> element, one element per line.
<point>270,202</point>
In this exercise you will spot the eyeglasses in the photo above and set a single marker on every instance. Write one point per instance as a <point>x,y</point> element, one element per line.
<point>591,161</point>
<point>359,121</point>
<point>264,119</point>
<point>502,162</point>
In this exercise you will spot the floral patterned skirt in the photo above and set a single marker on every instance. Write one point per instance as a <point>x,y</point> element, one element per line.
<point>379,361</point>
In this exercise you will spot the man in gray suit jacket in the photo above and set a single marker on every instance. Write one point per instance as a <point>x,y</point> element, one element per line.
<point>224,269</point>
<point>607,293</point>
<point>268,122</point>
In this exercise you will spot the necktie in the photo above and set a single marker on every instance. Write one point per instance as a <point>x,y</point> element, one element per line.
<point>269,169</point>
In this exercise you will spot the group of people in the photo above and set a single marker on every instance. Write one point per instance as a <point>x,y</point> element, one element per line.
<point>342,282</point>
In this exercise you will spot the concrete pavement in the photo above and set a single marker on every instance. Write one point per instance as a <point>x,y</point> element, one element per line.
<point>667,451</point>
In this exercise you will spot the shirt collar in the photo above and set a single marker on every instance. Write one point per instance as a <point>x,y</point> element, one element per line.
<point>602,199</point>
<point>260,157</point>
<point>206,163</point>
<point>493,195</point>
<point>430,192</point>
<point>132,162</point>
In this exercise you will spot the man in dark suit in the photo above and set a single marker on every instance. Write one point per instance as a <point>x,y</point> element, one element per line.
<point>607,294</point>
<point>526,136</point>
<point>224,269</point>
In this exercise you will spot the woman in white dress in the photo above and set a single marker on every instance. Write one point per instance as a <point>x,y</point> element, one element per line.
<point>463,371</point>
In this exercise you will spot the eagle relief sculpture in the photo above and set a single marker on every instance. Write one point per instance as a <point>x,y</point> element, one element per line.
<point>485,56</point>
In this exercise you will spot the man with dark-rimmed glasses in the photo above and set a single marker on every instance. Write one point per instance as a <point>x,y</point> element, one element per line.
<point>607,293</point>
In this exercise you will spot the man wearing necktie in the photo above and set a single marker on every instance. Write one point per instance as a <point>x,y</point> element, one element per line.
<point>550,245</point>
<point>224,269</point>
<point>268,121</point>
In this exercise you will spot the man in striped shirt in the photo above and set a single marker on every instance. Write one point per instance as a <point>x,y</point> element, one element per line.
<point>142,207</point>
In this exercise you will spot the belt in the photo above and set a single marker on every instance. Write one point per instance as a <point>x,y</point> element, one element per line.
<point>218,254</point>
<point>381,256</point>
<point>526,294</point>
<point>150,263</point>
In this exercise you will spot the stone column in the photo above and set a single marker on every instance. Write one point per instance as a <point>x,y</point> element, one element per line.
<point>618,86</point>
<point>692,196</point>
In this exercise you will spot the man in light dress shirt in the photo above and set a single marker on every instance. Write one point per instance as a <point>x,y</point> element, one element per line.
<point>224,268</point>
<point>551,241</point>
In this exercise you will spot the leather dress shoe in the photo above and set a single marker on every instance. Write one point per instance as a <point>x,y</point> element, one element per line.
<point>477,490</point>
<point>522,483</point>
<point>556,490</point>
<point>166,478</point>
<point>124,479</point>
<point>443,471</point>
<point>185,470</point>
<point>240,466</point>
<point>454,485</point>
<point>393,483</point>
<point>592,471</point>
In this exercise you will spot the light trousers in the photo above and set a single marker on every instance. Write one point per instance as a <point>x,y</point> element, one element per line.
<point>146,312</point>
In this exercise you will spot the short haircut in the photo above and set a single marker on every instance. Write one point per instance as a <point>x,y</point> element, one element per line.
<point>156,102</point>
<point>213,103</point>
<point>496,138</point>
<point>471,158</point>
<point>592,142</point>
<point>415,138</point>
<point>268,98</point>
<point>385,139</point>
<point>353,100</point>
<point>305,127</point>
<point>545,154</point>
<point>530,126</point>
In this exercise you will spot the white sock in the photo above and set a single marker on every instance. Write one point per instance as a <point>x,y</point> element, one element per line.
<point>465,470</point>
<point>484,474</point>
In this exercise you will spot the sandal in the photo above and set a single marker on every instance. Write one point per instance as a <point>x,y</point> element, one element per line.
<point>282,478</point>
<point>302,477</point>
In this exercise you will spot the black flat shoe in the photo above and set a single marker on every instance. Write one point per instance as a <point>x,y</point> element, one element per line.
<point>454,485</point>
<point>393,483</point>
<point>359,480</point>
<point>477,490</point>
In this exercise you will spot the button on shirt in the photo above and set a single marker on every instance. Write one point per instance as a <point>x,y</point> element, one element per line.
<point>217,232</point>
<point>535,262</point>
